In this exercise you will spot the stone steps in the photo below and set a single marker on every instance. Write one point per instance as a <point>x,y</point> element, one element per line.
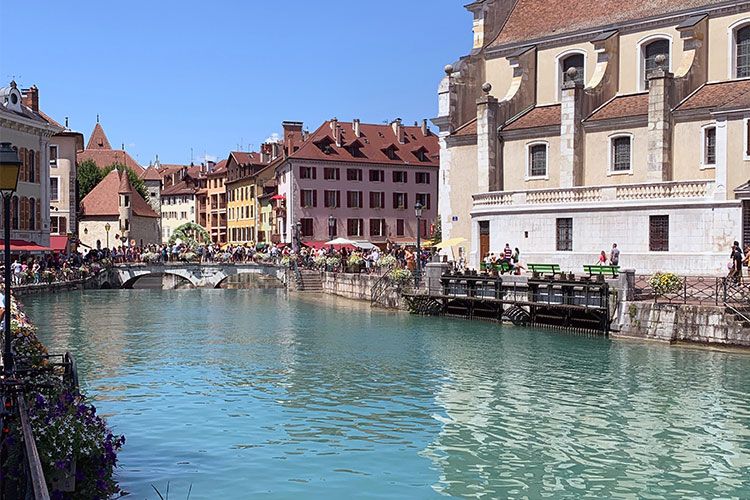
<point>310,282</point>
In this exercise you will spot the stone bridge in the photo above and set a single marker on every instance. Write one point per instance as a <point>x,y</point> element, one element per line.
<point>199,275</point>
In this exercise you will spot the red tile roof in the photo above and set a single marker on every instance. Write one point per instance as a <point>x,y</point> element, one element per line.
<point>712,95</point>
<point>468,128</point>
<point>375,140</point>
<point>46,117</point>
<point>181,187</point>
<point>108,157</point>
<point>150,174</point>
<point>103,200</point>
<point>541,116</point>
<point>621,107</point>
<point>532,19</point>
<point>98,139</point>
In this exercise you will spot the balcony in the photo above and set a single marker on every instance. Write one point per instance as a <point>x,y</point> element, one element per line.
<point>622,195</point>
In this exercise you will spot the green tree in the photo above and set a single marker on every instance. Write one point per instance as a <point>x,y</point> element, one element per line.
<point>188,233</point>
<point>89,175</point>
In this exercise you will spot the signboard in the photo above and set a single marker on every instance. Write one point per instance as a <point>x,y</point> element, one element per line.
<point>454,218</point>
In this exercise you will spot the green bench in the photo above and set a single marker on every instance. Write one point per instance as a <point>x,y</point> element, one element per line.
<point>501,267</point>
<point>602,270</point>
<point>551,269</point>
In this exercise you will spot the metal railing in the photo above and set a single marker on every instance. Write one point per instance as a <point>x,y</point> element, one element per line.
<point>698,290</point>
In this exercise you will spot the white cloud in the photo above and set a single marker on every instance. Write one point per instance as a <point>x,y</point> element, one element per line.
<point>274,138</point>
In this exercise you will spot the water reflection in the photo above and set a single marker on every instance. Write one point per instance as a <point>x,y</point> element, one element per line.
<point>261,393</point>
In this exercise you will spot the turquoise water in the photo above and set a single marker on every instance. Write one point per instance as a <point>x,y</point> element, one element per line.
<point>257,394</point>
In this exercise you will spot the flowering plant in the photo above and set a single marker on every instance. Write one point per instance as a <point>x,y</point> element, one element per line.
<point>150,257</point>
<point>287,260</point>
<point>387,261</point>
<point>398,274</point>
<point>333,260</point>
<point>665,283</point>
<point>48,277</point>
<point>188,256</point>
<point>355,260</point>
<point>320,260</point>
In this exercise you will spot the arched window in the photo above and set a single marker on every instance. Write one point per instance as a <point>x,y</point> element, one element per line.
<point>742,40</point>
<point>650,52</point>
<point>574,61</point>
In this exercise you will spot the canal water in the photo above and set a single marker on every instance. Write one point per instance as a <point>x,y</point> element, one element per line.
<point>260,394</point>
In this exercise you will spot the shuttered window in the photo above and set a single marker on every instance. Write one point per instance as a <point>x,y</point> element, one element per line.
<point>399,227</point>
<point>565,235</point>
<point>658,240</point>
<point>743,52</point>
<point>332,199</point>
<point>307,227</point>
<point>354,227</point>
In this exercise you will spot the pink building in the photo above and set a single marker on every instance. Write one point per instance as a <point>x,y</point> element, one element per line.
<point>368,177</point>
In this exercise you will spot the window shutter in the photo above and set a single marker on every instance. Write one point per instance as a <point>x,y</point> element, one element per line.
<point>38,179</point>
<point>747,137</point>
<point>39,216</point>
<point>395,200</point>
<point>348,199</point>
<point>338,199</point>
<point>338,174</point>
<point>427,175</point>
<point>361,200</point>
<point>406,200</point>
<point>372,226</point>
<point>63,222</point>
<point>24,214</point>
<point>314,172</point>
<point>428,201</point>
<point>315,198</point>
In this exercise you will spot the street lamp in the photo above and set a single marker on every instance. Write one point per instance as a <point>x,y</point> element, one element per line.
<point>418,211</point>
<point>107,227</point>
<point>298,225</point>
<point>331,226</point>
<point>10,166</point>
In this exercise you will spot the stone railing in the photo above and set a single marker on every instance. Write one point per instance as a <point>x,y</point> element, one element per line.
<point>587,194</point>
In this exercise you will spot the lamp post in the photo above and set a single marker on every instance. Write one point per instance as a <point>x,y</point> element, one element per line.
<point>418,211</point>
<point>107,227</point>
<point>298,225</point>
<point>10,166</point>
<point>331,226</point>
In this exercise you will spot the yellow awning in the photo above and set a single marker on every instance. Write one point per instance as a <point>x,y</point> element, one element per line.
<point>450,243</point>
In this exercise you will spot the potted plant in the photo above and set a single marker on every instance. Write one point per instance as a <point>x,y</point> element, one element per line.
<point>355,263</point>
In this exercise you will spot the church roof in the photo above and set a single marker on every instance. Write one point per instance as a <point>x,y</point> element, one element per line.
<point>535,19</point>
<point>540,116</point>
<point>104,199</point>
<point>150,174</point>
<point>98,139</point>
<point>100,151</point>
<point>622,106</point>
<point>718,95</point>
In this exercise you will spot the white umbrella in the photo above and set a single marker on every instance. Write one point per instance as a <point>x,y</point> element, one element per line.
<point>342,241</point>
<point>365,245</point>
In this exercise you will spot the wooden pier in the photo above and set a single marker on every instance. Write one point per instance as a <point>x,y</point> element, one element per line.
<point>555,301</point>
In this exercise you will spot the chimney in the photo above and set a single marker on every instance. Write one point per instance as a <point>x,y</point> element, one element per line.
<point>398,129</point>
<point>265,152</point>
<point>292,136</point>
<point>305,135</point>
<point>30,98</point>
<point>211,164</point>
<point>355,126</point>
<point>425,128</point>
<point>274,150</point>
<point>334,122</point>
<point>337,135</point>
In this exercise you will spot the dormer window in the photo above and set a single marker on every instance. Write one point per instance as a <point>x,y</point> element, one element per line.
<point>324,144</point>
<point>421,154</point>
<point>390,152</point>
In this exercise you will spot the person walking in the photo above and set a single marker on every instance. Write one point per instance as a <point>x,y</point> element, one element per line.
<point>737,258</point>
<point>614,255</point>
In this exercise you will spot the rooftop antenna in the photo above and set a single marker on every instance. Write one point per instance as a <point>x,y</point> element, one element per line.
<point>66,122</point>
<point>97,118</point>
<point>191,155</point>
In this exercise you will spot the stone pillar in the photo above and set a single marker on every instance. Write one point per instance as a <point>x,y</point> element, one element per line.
<point>447,105</point>
<point>720,172</point>
<point>433,272</point>
<point>487,142</point>
<point>571,132</point>
<point>659,124</point>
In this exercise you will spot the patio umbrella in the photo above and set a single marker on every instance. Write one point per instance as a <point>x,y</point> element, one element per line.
<point>450,243</point>
<point>342,241</point>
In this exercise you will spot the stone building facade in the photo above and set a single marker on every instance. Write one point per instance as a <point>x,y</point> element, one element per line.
<point>627,123</point>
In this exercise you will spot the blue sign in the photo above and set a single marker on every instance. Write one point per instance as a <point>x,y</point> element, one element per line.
<point>455,218</point>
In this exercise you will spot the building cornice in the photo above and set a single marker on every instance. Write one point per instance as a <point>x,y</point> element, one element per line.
<point>530,133</point>
<point>26,125</point>
<point>461,140</point>
<point>582,36</point>
<point>345,164</point>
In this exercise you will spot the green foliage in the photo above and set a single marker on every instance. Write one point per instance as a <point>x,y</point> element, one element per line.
<point>665,283</point>
<point>188,232</point>
<point>387,261</point>
<point>398,274</point>
<point>90,175</point>
<point>437,236</point>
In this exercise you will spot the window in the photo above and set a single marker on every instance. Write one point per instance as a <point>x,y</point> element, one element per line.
<point>399,176</point>
<point>424,200</point>
<point>354,174</point>
<point>307,227</point>
<point>126,200</point>
<point>332,199</point>
<point>565,235</point>
<point>377,199</point>
<point>307,173</point>
<point>354,227</point>
<point>620,154</point>
<point>742,50</point>
<point>32,214</point>
<point>537,160</point>
<point>709,146</point>
<point>658,237</point>
<point>650,51</point>
<point>354,199</point>
<point>309,198</point>
<point>32,166</point>
<point>424,230</point>
<point>400,200</point>
<point>53,155</point>
<point>399,227</point>
<point>377,227</point>
<point>574,61</point>
<point>377,175</point>
<point>53,189</point>
<point>54,226</point>
<point>422,177</point>
<point>331,174</point>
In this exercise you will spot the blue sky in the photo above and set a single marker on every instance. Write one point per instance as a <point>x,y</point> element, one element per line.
<point>167,76</point>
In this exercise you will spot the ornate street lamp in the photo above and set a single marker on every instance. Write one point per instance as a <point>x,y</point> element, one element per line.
<point>418,211</point>
<point>331,226</point>
<point>10,166</point>
<point>107,227</point>
<point>298,225</point>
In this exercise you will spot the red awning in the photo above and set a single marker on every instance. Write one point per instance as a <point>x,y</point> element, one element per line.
<point>57,243</point>
<point>278,197</point>
<point>24,246</point>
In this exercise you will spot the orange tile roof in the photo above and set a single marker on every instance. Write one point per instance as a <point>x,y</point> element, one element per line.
<point>374,140</point>
<point>98,139</point>
<point>468,128</point>
<point>541,116</point>
<point>103,200</point>
<point>150,174</point>
<point>108,157</point>
<point>712,95</point>
<point>533,19</point>
<point>621,107</point>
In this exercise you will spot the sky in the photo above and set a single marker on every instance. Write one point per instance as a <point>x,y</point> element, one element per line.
<point>169,76</point>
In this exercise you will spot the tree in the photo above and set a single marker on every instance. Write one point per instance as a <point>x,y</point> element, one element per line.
<point>437,235</point>
<point>187,233</point>
<point>89,175</point>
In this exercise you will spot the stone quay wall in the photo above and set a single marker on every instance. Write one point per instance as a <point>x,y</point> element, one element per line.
<point>358,287</point>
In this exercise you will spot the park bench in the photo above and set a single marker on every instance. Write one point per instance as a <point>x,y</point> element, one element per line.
<point>602,270</point>
<point>501,267</point>
<point>551,269</point>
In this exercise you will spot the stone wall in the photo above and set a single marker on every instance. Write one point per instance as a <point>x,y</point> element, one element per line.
<point>679,323</point>
<point>358,287</point>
